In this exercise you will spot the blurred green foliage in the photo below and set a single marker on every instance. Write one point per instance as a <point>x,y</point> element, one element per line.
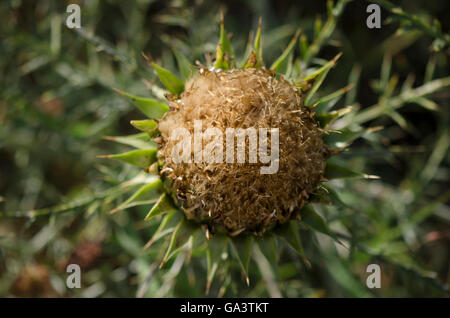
<point>57,104</point>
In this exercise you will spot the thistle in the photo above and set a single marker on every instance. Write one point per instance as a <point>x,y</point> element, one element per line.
<point>236,208</point>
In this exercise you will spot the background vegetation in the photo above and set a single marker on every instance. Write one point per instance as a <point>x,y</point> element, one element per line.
<point>57,104</point>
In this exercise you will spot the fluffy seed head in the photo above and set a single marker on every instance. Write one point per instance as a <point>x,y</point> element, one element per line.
<point>236,197</point>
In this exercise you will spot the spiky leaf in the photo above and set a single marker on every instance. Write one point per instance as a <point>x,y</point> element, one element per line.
<point>281,64</point>
<point>148,106</point>
<point>146,194</point>
<point>325,119</point>
<point>141,158</point>
<point>290,233</point>
<point>172,243</point>
<point>169,80</point>
<point>185,67</point>
<point>163,205</point>
<point>140,141</point>
<point>241,250</point>
<point>315,221</point>
<point>149,126</point>
<point>335,171</point>
<point>258,46</point>
<point>225,53</point>
<point>215,252</point>
<point>165,227</point>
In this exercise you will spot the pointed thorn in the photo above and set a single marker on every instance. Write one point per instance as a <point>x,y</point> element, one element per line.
<point>307,262</point>
<point>376,128</point>
<point>222,17</point>
<point>114,211</point>
<point>337,57</point>
<point>117,90</point>
<point>148,244</point>
<point>237,232</point>
<point>297,34</point>
<point>334,152</point>
<point>348,87</point>
<point>147,58</point>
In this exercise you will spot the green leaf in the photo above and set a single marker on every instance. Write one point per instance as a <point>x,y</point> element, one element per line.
<point>290,233</point>
<point>165,227</point>
<point>248,51</point>
<point>344,137</point>
<point>326,31</point>
<point>315,221</point>
<point>147,194</point>
<point>429,71</point>
<point>318,77</point>
<point>303,45</point>
<point>328,195</point>
<point>355,74</point>
<point>334,171</point>
<point>224,53</point>
<point>241,249</point>
<point>170,81</point>
<point>399,101</point>
<point>317,26</point>
<point>269,248</point>
<point>163,205</point>
<point>186,247</point>
<point>251,61</point>
<point>333,96</point>
<point>185,67</point>
<point>148,106</point>
<point>325,119</point>
<point>281,64</point>
<point>216,248</point>
<point>141,158</point>
<point>172,243</point>
<point>149,126</point>
<point>426,103</point>
<point>140,141</point>
<point>267,264</point>
<point>258,46</point>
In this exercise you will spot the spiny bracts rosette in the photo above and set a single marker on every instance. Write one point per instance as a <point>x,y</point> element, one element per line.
<point>238,197</point>
<point>234,197</point>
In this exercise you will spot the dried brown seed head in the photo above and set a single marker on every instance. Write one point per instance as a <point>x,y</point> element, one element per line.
<point>236,197</point>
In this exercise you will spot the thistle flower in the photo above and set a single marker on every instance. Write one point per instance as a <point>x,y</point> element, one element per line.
<point>232,202</point>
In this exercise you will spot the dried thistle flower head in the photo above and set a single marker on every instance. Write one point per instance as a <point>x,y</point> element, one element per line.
<point>236,182</point>
<point>237,197</point>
